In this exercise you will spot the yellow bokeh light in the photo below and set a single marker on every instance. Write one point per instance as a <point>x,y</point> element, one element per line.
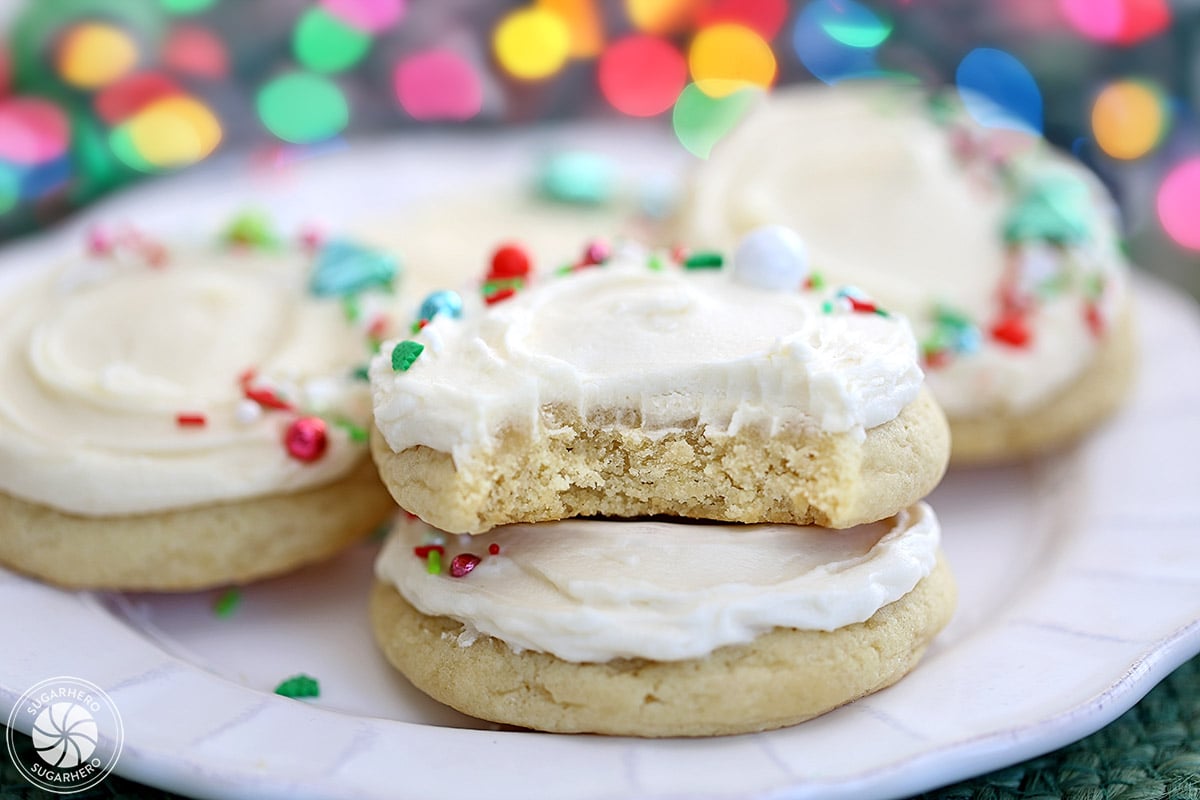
<point>1128,119</point>
<point>94,54</point>
<point>727,57</point>
<point>661,16</point>
<point>532,43</point>
<point>174,132</point>
<point>583,22</point>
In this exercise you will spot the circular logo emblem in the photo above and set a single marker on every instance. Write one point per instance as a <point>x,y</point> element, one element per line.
<point>76,730</point>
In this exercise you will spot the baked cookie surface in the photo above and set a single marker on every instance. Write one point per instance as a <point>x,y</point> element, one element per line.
<point>800,620</point>
<point>1004,254</point>
<point>639,386</point>
<point>152,395</point>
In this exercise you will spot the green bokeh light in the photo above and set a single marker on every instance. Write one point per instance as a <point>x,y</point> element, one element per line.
<point>324,43</point>
<point>701,121</point>
<point>123,147</point>
<point>187,6</point>
<point>10,188</point>
<point>301,108</point>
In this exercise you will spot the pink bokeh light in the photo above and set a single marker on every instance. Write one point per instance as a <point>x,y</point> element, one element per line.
<point>34,130</point>
<point>1179,203</point>
<point>369,16</point>
<point>438,84</point>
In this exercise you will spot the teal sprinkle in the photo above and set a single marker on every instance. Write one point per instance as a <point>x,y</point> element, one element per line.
<point>405,353</point>
<point>941,108</point>
<point>578,178</point>
<point>227,602</point>
<point>951,318</point>
<point>433,563</point>
<point>704,260</point>
<point>344,268</point>
<point>299,686</point>
<point>827,307</point>
<point>1054,208</point>
<point>655,262</point>
<point>351,308</point>
<point>361,374</point>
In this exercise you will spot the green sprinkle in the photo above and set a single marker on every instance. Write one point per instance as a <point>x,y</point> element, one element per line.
<point>416,326</point>
<point>361,374</point>
<point>227,602</point>
<point>565,269</point>
<point>357,433</point>
<point>491,287</point>
<point>251,228</point>
<point>1094,287</point>
<point>299,686</point>
<point>351,308</point>
<point>655,263</point>
<point>827,307</point>
<point>704,260</point>
<point>816,281</point>
<point>433,563</point>
<point>882,312</point>
<point>1054,208</point>
<point>405,353</point>
<point>951,318</point>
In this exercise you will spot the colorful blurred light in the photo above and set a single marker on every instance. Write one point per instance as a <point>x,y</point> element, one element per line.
<point>532,43</point>
<point>32,130</point>
<point>183,7</point>
<point>998,91</point>
<point>701,120</point>
<point>302,108</point>
<point>641,75</point>
<point>324,43</point>
<point>131,94</point>
<point>662,16</point>
<point>764,16</point>
<point>94,54</point>
<point>838,39</point>
<point>583,22</point>
<point>369,16</point>
<point>727,57</point>
<point>10,188</point>
<point>438,84</point>
<point>1129,119</point>
<point>171,132</point>
<point>1122,22</point>
<point>196,50</point>
<point>1179,203</point>
<point>5,70</point>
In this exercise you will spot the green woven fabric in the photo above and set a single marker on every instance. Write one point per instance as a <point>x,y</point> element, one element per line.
<point>1151,753</point>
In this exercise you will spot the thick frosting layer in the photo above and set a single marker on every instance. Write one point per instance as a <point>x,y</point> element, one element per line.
<point>126,385</point>
<point>592,590</point>
<point>957,227</point>
<point>663,349</point>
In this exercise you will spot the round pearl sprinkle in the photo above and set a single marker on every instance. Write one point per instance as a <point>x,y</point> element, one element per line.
<point>247,412</point>
<point>305,439</point>
<point>771,257</point>
<point>442,302</point>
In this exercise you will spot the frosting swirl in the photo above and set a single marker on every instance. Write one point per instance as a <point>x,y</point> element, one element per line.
<point>126,385</point>
<point>666,349</point>
<point>592,590</point>
<point>1002,253</point>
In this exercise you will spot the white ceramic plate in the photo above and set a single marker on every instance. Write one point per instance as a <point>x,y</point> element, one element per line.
<point>1078,593</point>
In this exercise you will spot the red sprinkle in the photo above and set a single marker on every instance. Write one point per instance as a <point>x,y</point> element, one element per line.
<point>99,242</point>
<point>936,359</point>
<point>423,551</point>
<point>862,305</point>
<point>311,238</point>
<point>191,420</point>
<point>510,261</point>
<point>267,399</point>
<point>494,549</point>
<point>155,254</point>
<point>305,439</point>
<point>462,564</point>
<point>501,294</point>
<point>1012,329</point>
<point>1095,320</point>
<point>378,327</point>
<point>679,254</point>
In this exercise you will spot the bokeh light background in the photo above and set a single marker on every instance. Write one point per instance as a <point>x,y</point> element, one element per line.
<point>95,94</point>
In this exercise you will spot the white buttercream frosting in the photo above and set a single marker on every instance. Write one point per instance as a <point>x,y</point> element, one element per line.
<point>672,348</point>
<point>595,590</point>
<point>913,210</point>
<point>99,359</point>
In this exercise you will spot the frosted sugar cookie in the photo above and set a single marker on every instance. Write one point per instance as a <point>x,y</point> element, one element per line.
<point>1003,253</point>
<point>639,384</point>
<point>187,417</point>
<point>641,628</point>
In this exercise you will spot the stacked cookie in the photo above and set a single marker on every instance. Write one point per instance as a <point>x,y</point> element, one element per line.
<point>1003,253</point>
<point>639,482</point>
<point>184,417</point>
